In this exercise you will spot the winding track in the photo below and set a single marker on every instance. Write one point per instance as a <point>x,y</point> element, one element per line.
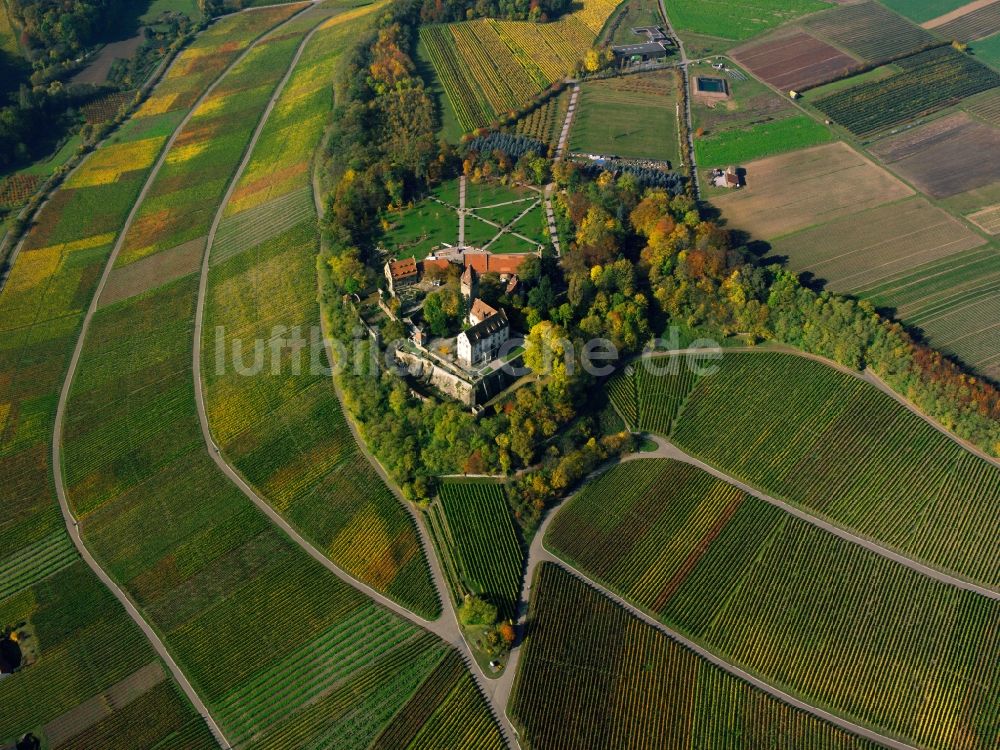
<point>538,554</point>
<point>72,527</point>
<point>498,691</point>
<point>445,627</point>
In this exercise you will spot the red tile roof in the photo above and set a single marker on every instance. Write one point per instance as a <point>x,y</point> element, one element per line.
<point>490,263</point>
<point>403,269</point>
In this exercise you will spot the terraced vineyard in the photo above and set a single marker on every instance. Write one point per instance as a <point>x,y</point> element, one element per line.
<point>261,629</point>
<point>592,675</point>
<point>87,643</point>
<point>475,535</point>
<point>489,68</point>
<point>746,580</point>
<point>281,425</point>
<point>928,82</point>
<point>837,446</point>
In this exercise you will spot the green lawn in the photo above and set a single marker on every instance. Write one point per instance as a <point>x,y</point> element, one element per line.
<point>156,7</point>
<point>737,19</point>
<point>767,139</point>
<point>635,13</point>
<point>988,51</point>
<point>417,231</point>
<point>632,117</point>
<point>919,11</point>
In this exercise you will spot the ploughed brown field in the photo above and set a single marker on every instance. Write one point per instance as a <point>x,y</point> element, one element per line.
<point>793,191</point>
<point>944,157</point>
<point>795,62</point>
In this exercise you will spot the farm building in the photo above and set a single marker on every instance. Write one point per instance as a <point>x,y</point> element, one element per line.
<point>654,48</point>
<point>482,342</point>
<point>400,273</point>
<point>730,178</point>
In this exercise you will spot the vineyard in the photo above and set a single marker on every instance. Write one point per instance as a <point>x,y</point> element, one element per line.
<point>15,189</point>
<point>837,446</point>
<point>106,107</point>
<point>475,534</point>
<point>977,24</point>
<point>928,82</point>
<point>86,644</point>
<point>545,122</point>
<point>746,580</point>
<point>208,150</point>
<point>489,68</point>
<point>306,463</point>
<point>869,30</point>
<point>444,713</point>
<point>649,393</point>
<point>592,675</point>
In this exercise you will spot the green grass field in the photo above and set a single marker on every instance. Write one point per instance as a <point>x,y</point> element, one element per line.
<point>758,141</point>
<point>593,675</point>
<point>633,117</point>
<point>919,11</point>
<point>840,448</point>
<point>475,533</point>
<point>778,596</point>
<point>988,51</point>
<point>736,19</point>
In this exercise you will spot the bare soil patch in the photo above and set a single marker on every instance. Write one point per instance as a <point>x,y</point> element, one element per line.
<point>152,271</point>
<point>795,62</point>
<point>97,70</point>
<point>944,157</point>
<point>793,191</point>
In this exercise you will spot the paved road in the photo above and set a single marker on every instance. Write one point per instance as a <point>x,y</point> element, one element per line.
<point>538,554</point>
<point>57,436</point>
<point>564,133</point>
<point>689,160</point>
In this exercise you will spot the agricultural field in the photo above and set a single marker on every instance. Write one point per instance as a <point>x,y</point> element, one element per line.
<point>794,191</point>
<point>261,629</point>
<point>746,580</point>
<point>838,447</point>
<point>181,203</point>
<point>633,117</point>
<point>83,650</point>
<point>55,275</point>
<point>489,68</point>
<point>972,26</point>
<point>736,19</point>
<point>921,11</point>
<point>945,156</point>
<point>985,106</point>
<point>545,122</point>
<point>869,31</point>
<point>953,304</point>
<point>793,62</point>
<point>476,537</point>
<point>443,714</point>
<point>988,51</point>
<point>648,401</point>
<point>593,675</point>
<point>282,426</point>
<point>737,146</point>
<point>862,250</point>
<point>750,103</point>
<point>929,81</point>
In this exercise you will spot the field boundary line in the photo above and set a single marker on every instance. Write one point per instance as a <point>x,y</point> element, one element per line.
<point>669,450</point>
<point>857,730</point>
<point>72,525</point>
<point>441,627</point>
<point>538,553</point>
